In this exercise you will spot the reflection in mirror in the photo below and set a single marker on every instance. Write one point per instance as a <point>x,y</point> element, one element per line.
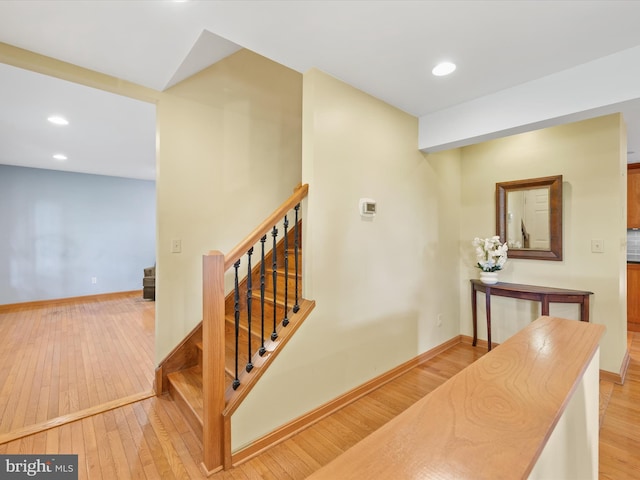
<point>529,217</point>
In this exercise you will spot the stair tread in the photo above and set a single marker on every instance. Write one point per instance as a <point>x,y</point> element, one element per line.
<point>188,383</point>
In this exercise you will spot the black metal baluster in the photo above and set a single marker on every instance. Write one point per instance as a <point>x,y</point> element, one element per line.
<point>236,381</point>
<point>285,320</point>
<point>249,299</point>
<point>274,234</point>
<point>262,350</point>
<point>296,307</point>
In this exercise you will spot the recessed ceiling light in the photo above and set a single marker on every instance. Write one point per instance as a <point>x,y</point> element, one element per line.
<point>60,156</point>
<point>443,68</point>
<point>58,120</point>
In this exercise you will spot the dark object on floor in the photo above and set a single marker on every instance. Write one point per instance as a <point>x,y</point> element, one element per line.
<point>149,283</point>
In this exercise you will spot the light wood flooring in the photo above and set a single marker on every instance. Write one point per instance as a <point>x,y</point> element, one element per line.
<point>62,358</point>
<point>150,439</point>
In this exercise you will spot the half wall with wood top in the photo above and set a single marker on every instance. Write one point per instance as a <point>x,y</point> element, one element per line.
<point>505,416</point>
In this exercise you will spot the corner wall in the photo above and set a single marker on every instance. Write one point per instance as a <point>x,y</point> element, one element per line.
<point>379,283</point>
<point>590,157</point>
<point>228,155</point>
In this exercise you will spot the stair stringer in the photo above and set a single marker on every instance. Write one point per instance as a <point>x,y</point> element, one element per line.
<point>184,355</point>
<point>233,398</point>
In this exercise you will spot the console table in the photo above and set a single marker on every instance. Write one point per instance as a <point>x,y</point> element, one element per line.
<point>544,295</point>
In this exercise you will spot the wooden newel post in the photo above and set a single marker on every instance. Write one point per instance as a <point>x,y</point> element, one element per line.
<point>213,360</point>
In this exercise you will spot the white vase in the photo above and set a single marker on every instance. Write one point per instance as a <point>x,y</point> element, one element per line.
<point>489,278</point>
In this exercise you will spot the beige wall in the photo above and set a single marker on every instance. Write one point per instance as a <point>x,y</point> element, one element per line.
<point>380,283</point>
<point>590,156</point>
<point>228,154</point>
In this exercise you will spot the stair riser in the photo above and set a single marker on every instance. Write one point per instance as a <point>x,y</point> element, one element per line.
<point>280,283</point>
<point>255,302</point>
<point>192,419</point>
<point>243,336</point>
<point>291,258</point>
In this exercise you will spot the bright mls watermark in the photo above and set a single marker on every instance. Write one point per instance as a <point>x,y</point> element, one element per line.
<point>49,467</point>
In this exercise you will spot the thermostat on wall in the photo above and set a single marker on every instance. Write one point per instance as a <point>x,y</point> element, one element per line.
<point>367,207</point>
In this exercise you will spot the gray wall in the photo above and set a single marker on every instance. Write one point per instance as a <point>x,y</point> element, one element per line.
<point>60,229</point>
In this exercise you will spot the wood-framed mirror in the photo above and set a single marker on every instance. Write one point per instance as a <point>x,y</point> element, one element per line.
<point>529,217</point>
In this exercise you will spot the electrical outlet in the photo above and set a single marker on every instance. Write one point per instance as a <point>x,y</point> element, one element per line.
<point>439,321</point>
<point>597,246</point>
<point>176,246</point>
<point>94,280</point>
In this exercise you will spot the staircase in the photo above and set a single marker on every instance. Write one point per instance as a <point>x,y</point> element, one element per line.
<point>183,373</point>
<point>185,386</point>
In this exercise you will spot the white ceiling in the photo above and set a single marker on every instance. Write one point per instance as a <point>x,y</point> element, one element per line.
<point>385,48</point>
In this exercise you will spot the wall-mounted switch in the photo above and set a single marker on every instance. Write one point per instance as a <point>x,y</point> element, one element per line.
<point>597,246</point>
<point>367,207</point>
<point>176,246</point>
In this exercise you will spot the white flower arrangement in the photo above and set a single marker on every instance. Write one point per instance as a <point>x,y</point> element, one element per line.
<point>491,254</point>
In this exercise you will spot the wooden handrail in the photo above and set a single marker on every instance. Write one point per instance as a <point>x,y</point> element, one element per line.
<point>240,249</point>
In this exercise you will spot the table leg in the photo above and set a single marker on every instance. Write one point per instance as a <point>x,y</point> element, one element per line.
<point>487,295</point>
<point>474,314</point>
<point>545,305</point>
<point>584,309</point>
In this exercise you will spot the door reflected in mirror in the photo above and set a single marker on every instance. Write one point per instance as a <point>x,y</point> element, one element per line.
<point>529,217</point>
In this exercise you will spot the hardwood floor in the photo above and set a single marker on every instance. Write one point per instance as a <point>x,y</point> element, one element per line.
<point>150,439</point>
<point>63,358</point>
<point>620,428</point>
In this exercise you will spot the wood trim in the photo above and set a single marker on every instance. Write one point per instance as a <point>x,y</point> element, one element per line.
<point>228,459</point>
<point>618,378</point>
<point>11,307</point>
<point>35,62</point>
<point>240,249</point>
<point>295,426</point>
<point>248,380</point>
<point>72,417</point>
<point>208,473</point>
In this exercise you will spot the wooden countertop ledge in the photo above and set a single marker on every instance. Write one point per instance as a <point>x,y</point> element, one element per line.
<point>491,420</point>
